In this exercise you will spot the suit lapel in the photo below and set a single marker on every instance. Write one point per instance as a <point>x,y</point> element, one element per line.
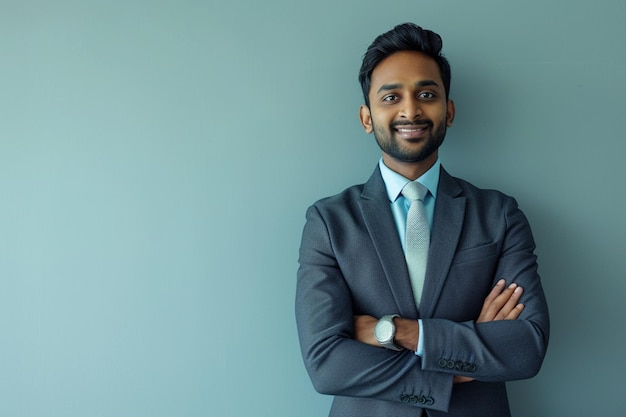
<point>447,225</point>
<point>380,224</point>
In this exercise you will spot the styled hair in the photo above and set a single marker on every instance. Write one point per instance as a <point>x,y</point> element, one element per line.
<point>404,37</point>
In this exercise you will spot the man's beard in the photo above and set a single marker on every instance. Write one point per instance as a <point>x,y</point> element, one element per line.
<point>391,146</point>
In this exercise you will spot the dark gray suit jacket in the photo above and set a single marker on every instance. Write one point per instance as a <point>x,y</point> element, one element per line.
<point>351,262</point>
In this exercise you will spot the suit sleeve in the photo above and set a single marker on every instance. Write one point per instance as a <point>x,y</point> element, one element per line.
<point>501,350</point>
<point>336,363</point>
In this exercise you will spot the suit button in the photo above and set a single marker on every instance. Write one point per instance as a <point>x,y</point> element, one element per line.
<point>472,367</point>
<point>430,401</point>
<point>450,364</point>
<point>405,398</point>
<point>421,400</point>
<point>443,363</point>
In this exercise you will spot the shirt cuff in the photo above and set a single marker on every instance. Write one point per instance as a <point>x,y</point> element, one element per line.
<point>420,339</point>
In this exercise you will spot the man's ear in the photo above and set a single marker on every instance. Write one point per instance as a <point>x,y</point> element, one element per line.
<point>366,118</point>
<point>450,113</point>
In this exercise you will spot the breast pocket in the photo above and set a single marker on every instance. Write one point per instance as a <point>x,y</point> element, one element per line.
<point>476,254</point>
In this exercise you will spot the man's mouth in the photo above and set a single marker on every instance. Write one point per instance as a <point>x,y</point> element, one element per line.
<point>412,131</point>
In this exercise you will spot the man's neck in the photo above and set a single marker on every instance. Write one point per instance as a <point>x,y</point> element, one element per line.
<point>410,170</point>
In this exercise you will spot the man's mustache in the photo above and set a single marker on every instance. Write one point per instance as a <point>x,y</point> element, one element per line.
<point>419,122</point>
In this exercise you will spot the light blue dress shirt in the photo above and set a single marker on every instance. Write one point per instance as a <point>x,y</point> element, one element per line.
<point>394,183</point>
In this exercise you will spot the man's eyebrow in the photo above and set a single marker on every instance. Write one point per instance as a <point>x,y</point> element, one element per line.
<point>419,84</point>
<point>389,87</point>
<point>427,83</point>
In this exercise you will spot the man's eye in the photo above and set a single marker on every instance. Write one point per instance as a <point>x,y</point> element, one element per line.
<point>426,95</point>
<point>390,97</point>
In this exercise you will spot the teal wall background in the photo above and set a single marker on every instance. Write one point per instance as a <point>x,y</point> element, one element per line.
<point>144,145</point>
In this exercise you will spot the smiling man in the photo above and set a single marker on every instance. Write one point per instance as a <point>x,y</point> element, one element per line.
<point>418,293</point>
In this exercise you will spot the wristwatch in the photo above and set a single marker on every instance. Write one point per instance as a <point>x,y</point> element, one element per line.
<point>385,331</point>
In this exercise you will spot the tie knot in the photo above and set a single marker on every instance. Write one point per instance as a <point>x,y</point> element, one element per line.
<point>414,191</point>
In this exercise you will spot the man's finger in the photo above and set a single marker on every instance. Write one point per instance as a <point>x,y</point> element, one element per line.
<point>515,313</point>
<point>511,302</point>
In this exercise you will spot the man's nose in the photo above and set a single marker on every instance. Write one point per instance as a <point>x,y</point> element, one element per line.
<point>411,109</point>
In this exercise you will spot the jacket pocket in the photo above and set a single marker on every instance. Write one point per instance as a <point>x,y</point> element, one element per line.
<point>475,254</point>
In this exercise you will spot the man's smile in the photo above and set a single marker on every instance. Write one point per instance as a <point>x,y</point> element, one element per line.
<point>412,131</point>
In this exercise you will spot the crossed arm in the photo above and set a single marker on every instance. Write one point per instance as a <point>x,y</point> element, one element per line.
<point>502,303</point>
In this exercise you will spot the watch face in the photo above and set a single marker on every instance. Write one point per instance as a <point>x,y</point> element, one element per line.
<point>384,329</point>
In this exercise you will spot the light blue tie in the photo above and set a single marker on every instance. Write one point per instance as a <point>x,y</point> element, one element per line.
<point>417,237</point>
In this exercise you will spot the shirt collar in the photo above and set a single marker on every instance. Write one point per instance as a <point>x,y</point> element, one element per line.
<point>394,182</point>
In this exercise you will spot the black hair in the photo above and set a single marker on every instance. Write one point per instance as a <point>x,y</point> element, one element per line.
<point>404,37</point>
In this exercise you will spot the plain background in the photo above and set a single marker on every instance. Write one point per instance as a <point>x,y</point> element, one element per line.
<point>157,158</point>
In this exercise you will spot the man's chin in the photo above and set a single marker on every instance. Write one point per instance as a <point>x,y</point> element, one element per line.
<point>411,159</point>
<point>415,155</point>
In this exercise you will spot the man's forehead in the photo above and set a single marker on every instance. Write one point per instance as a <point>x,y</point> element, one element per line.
<point>406,67</point>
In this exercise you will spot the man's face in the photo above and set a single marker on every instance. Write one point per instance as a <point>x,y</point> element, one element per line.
<point>408,110</point>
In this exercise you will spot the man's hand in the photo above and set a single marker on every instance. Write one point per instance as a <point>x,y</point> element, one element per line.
<point>502,303</point>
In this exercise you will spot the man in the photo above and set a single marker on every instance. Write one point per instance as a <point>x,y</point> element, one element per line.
<point>390,336</point>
